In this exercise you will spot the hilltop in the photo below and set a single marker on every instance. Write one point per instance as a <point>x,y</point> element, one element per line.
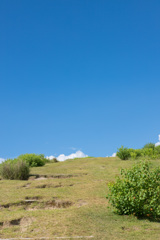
<point>68,199</point>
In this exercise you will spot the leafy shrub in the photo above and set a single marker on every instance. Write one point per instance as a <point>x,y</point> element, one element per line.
<point>149,152</point>
<point>15,169</point>
<point>135,153</point>
<point>139,152</point>
<point>149,145</point>
<point>34,160</point>
<point>137,192</point>
<point>123,153</point>
<point>157,150</point>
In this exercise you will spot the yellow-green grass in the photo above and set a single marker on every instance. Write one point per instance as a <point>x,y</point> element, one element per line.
<point>81,182</point>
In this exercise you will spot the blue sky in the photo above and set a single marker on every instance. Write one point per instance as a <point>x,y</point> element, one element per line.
<point>78,75</point>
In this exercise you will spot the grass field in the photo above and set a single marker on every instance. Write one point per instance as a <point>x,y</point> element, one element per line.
<point>68,199</point>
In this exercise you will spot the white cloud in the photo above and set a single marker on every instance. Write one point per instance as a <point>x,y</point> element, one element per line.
<point>78,154</point>
<point>50,157</point>
<point>1,160</point>
<point>157,144</point>
<point>113,155</point>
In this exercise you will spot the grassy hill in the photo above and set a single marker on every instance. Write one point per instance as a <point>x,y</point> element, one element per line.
<point>67,199</point>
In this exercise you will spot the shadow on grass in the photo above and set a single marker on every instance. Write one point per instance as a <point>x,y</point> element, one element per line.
<point>151,219</point>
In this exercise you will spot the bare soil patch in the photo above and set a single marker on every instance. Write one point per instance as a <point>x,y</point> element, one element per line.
<point>33,198</point>
<point>24,223</point>
<point>48,186</point>
<point>32,203</point>
<point>13,222</point>
<point>53,185</point>
<point>25,186</point>
<point>81,203</point>
<point>43,176</point>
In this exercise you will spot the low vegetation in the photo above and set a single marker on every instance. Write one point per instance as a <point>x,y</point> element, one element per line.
<point>148,151</point>
<point>34,160</point>
<point>15,170</point>
<point>18,168</point>
<point>68,200</point>
<point>137,191</point>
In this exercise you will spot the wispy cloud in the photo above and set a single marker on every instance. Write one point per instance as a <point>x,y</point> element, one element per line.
<point>73,148</point>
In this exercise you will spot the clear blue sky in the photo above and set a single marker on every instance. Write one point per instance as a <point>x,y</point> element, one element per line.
<point>81,74</point>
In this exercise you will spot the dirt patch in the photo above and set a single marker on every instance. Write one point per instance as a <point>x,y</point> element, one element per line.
<point>14,222</point>
<point>33,197</point>
<point>25,223</point>
<point>64,176</point>
<point>43,177</point>
<point>22,222</point>
<point>59,204</point>
<point>31,178</point>
<point>42,186</point>
<point>81,203</point>
<point>33,203</point>
<point>56,203</point>
<point>24,203</point>
<point>40,178</point>
<point>130,229</point>
<point>5,206</point>
<point>48,186</point>
<point>25,186</point>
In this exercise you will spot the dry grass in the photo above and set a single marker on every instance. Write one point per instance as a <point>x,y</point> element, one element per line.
<point>68,199</point>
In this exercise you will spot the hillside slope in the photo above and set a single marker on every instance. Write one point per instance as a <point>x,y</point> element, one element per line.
<point>67,199</point>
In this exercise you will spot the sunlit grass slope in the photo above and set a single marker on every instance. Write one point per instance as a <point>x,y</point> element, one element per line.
<point>68,199</point>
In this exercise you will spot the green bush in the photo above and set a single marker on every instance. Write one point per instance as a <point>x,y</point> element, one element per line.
<point>148,152</point>
<point>157,150</point>
<point>15,169</point>
<point>137,191</point>
<point>139,152</point>
<point>34,160</point>
<point>123,153</point>
<point>149,145</point>
<point>135,153</point>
